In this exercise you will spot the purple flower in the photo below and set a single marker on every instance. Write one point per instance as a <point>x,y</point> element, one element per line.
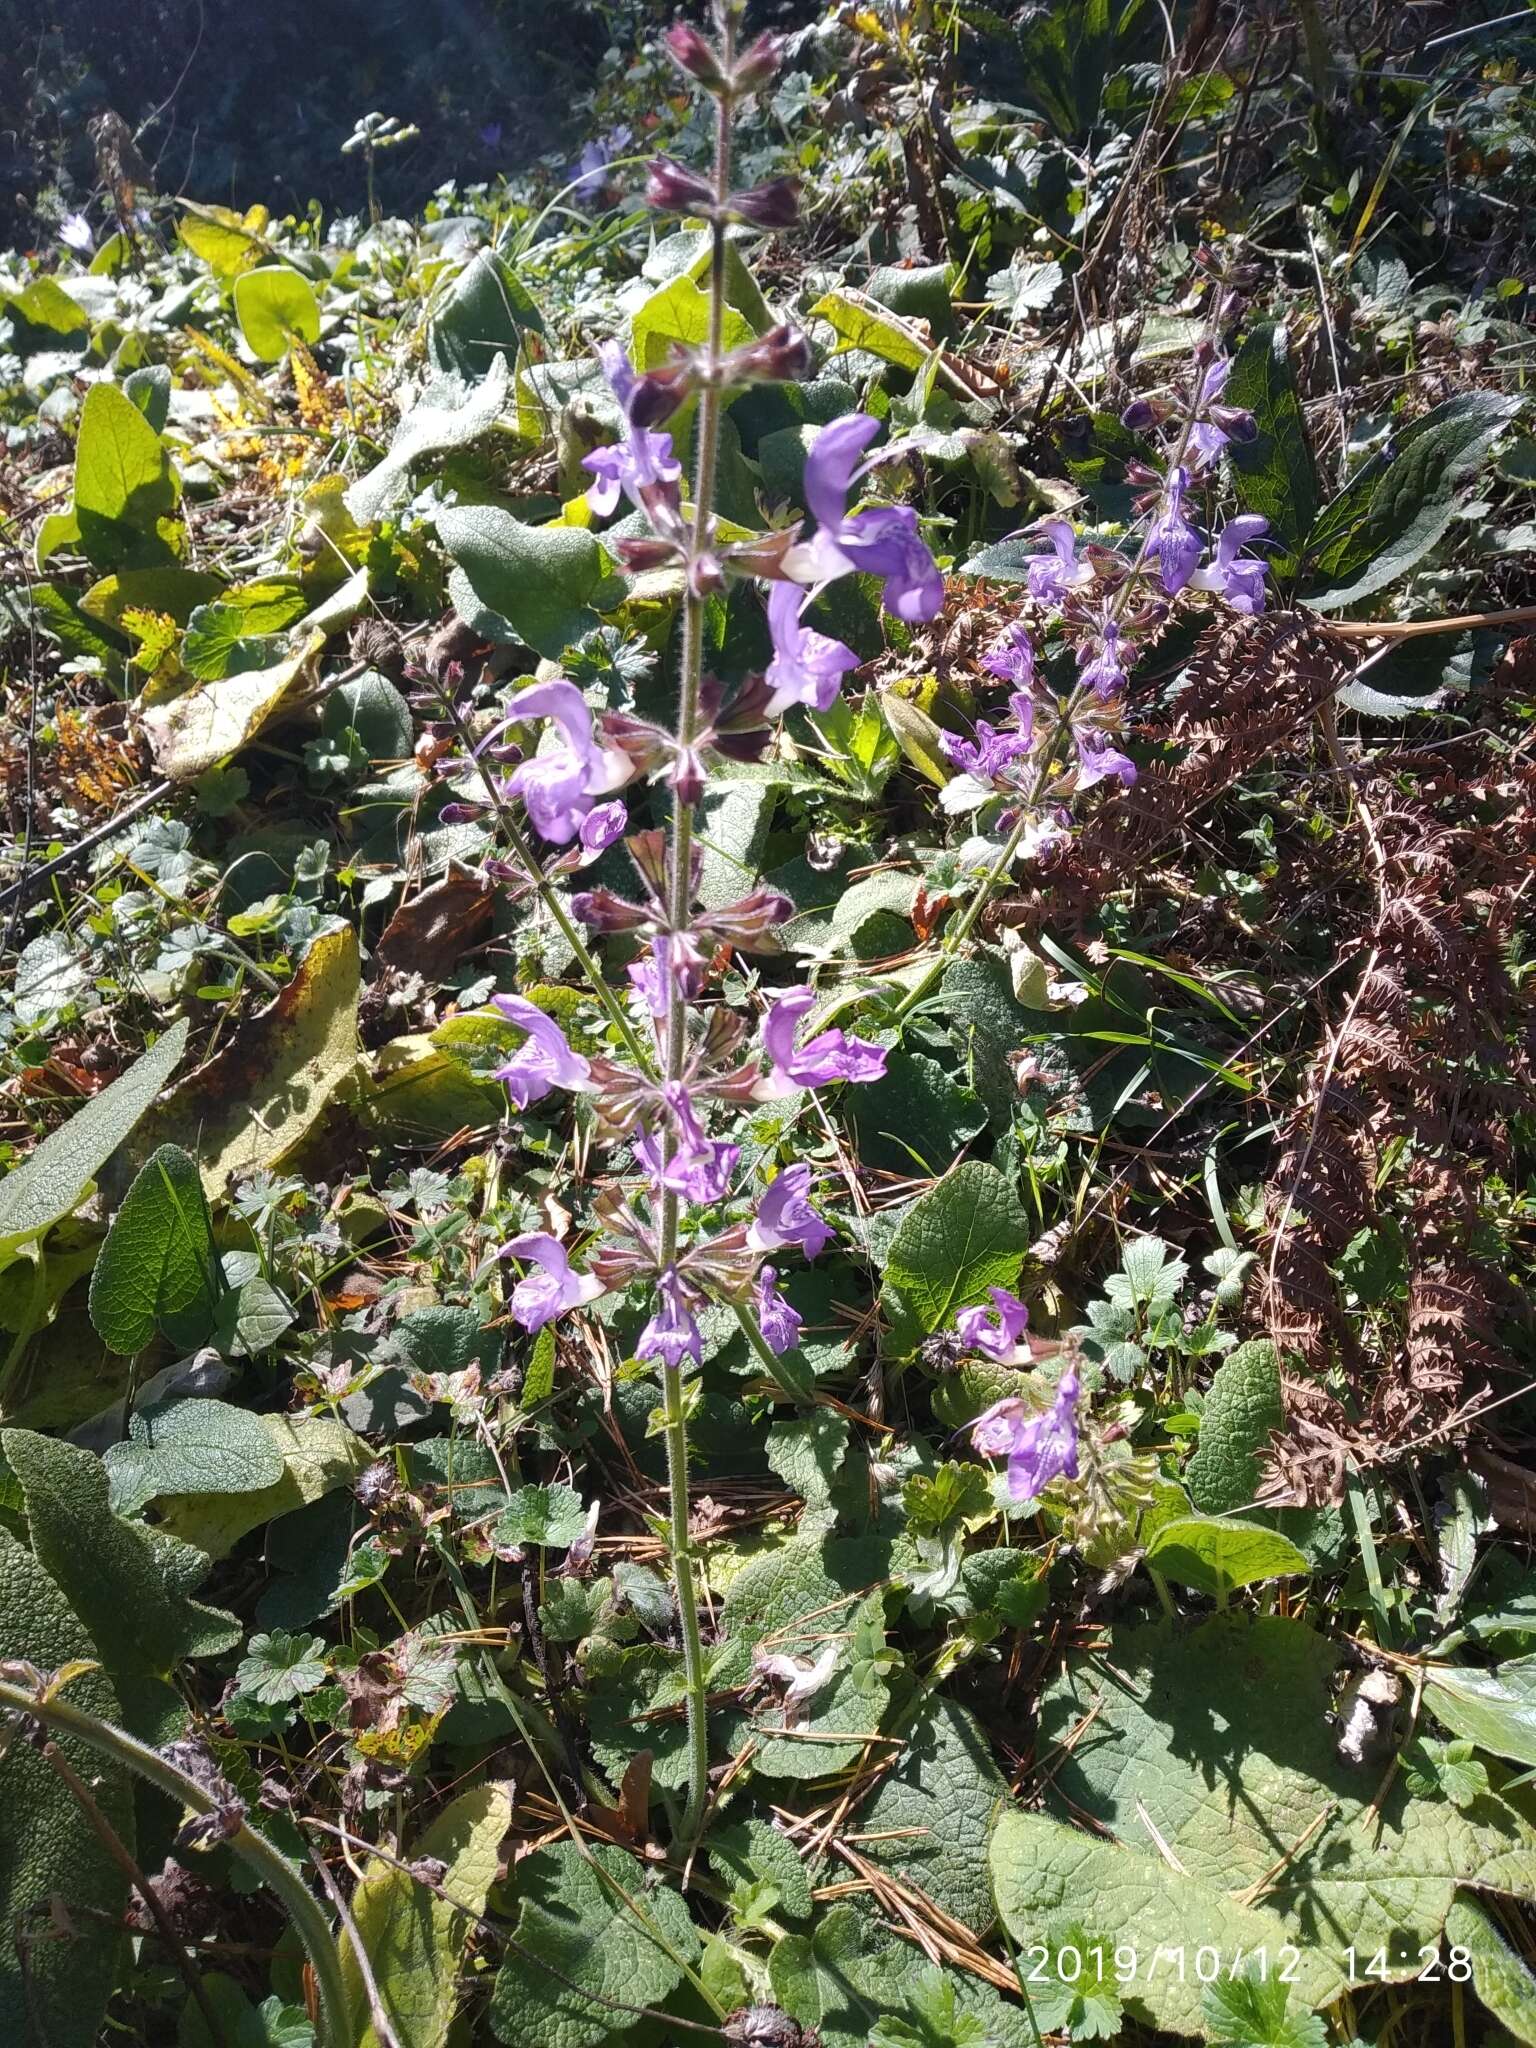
<point>785,1217</point>
<point>1105,673</point>
<point>1172,539</point>
<point>701,1176</point>
<point>1012,660</point>
<point>1050,577</point>
<point>807,666</point>
<point>490,135</point>
<point>541,1296</point>
<point>1216,424</point>
<point>697,1167</point>
<point>672,1334</point>
<point>994,1332</point>
<point>1238,578</point>
<point>882,541</point>
<point>1098,758</point>
<point>602,826</point>
<point>592,165</point>
<point>1039,1445</point>
<point>560,786</point>
<point>75,233</point>
<point>642,465</point>
<point>830,1056</point>
<point>780,1324</point>
<point>544,1060</point>
<point>994,750</point>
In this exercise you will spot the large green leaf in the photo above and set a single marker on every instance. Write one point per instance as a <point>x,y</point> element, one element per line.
<point>48,1848</point>
<point>787,1596</point>
<point>57,1176</point>
<point>1241,1410</point>
<point>592,1941</point>
<point>1218,1737</point>
<point>447,414</point>
<point>965,1235</point>
<point>1501,1979</point>
<point>1495,1709</point>
<point>1216,1555</point>
<point>124,483</point>
<point>849,1973</point>
<point>275,308</point>
<point>1045,1874</point>
<point>114,1578</point>
<point>481,319</point>
<point>413,1938</point>
<point>158,1269</point>
<point>192,1446</point>
<point>1393,512</point>
<point>930,1821</point>
<point>1274,473</point>
<point>529,583</point>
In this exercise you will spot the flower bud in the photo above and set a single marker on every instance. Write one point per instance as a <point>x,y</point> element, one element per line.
<point>644,552</point>
<point>672,188</point>
<point>775,204</point>
<point>460,814</point>
<point>758,64</point>
<point>749,922</point>
<point>782,356</point>
<point>763,556</point>
<point>1235,423</point>
<point>691,53</point>
<point>600,910</point>
<point>658,394</point>
<point>1142,414</point>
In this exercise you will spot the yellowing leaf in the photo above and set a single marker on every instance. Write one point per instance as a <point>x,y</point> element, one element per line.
<point>318,1455</point>
<point>198,731</point>
<point>414,1939</point>
<point>255,1102</point>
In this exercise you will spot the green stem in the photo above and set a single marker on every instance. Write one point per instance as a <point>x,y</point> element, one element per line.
<point>264,1858</point>
<point>679,912</point>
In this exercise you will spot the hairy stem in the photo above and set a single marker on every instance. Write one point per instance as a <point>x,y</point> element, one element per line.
<point>264,1858</point>
<point>680,905</point>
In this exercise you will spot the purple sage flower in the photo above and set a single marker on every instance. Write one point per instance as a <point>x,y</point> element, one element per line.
<point>829,1056</point>
<point>672,1334</point>
<point>1237,577</point>
<point>697,1167</point>
<point>1050,577</point>
<point>546,1293</point>
<point>1105,672</point>
<point>994,1332</point>
<point>560,785</point>
<point>883,541</point>
<point>1216,425</point>
<point>1098,758</point>
<point>591,166</point>
<point>807,666</point>
<point>1012,660</point>
<point>602,826</point>
<point>1040,1445</point>
<point>995,749</point>
<point>1172,540</point>
<point>785,1217</point>
<point>779,1323</point>
<point>544,1060</point>
<point>642,466</point>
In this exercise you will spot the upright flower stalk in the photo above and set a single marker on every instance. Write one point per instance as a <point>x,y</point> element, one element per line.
<point>679,1223</point>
